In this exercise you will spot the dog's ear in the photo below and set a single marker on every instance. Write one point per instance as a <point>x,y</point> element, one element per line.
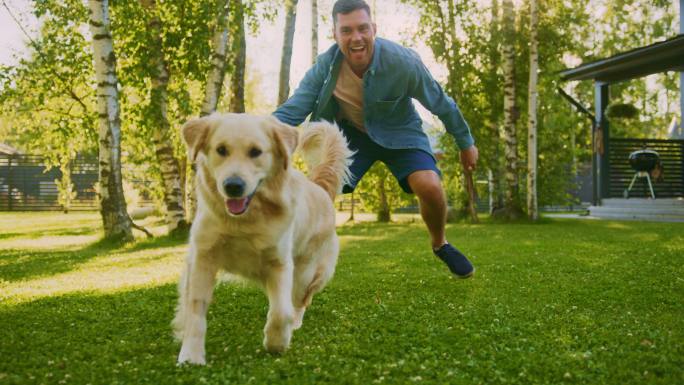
<point>195,133</point>
<point>285,138</point>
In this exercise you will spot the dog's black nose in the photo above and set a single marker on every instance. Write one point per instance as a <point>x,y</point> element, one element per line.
<point>234,186</point>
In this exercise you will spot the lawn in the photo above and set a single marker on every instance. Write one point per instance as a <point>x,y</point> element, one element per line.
<point>560,302</point>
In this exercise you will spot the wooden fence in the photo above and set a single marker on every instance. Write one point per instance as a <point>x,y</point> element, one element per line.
<point>27,185</point>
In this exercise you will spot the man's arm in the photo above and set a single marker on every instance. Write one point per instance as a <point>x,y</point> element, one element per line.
<point>429,93</point>
<point>295,109</point>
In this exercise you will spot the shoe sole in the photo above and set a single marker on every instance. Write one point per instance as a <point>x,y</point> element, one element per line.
<point>465,276</point>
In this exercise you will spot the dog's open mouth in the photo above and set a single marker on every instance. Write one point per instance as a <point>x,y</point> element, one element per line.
<point>238,206</point>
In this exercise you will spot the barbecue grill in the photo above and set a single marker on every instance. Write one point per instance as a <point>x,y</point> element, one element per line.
<point>642,162</point>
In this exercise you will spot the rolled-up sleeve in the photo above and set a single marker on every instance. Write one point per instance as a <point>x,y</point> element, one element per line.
<point>303,101</point>
<point>430,94</point>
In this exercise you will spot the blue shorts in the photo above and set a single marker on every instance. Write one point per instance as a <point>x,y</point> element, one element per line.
<point>401,162</point>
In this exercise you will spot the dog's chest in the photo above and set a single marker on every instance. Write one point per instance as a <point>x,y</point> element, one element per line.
<point>247,256</point>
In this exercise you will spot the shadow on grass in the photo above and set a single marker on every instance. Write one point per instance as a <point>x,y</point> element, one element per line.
<point>21,264</point>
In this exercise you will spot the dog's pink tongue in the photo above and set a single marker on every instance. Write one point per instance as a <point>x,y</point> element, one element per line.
<point>237,206</point>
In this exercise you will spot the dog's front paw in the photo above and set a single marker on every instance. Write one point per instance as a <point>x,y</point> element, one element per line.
<point>298,318</point>
<point>191,355</point>
<point>277,340</point>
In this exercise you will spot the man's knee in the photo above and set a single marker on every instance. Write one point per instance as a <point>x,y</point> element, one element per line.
<point>426,185</point>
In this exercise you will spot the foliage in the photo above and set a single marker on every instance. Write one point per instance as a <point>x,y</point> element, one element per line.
<point>465,36</point>
<point>65,188</point>
<point>380,192</point>
<point>48,101</point>
<point>621,26</point>
<point>566,305</point>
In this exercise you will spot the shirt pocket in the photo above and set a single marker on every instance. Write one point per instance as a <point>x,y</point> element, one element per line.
<point>387,108</point>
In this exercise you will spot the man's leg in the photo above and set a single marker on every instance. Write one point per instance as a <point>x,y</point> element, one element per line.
<point>427,186</point>
<point>432,202</point>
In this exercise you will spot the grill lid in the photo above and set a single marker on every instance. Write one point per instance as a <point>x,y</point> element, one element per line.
<point>644,160</point>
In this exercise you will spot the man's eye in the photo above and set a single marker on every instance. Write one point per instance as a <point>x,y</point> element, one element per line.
<point>221,150</point>
<point>254,152</point>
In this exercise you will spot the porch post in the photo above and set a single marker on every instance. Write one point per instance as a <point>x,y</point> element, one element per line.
<point>602,148</point>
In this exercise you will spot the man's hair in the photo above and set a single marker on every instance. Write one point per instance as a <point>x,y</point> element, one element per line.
<point>348,6</point>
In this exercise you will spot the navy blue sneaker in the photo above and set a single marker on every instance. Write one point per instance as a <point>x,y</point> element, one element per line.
<point>457,262</point>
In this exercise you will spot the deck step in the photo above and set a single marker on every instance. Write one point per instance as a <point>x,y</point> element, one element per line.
<point>665,210</point>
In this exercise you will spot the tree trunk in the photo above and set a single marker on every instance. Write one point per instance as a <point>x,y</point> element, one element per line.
<point>238,52</point>
<point>532,211</point>
<point>284,82</point>
<point>212,90</point>
<point>117,223</point>
<point>314,30</point>
<point>212,94</point>
<point>472,196</point>
<point>351,210</point>
<point>160,127</point>
<point>511,200</point>
<point>384,209</point>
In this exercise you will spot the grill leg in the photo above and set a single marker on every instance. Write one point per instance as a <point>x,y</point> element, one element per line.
<point>650,186</point>
<point>631,184</point>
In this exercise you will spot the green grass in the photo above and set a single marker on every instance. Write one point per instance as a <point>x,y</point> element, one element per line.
<point>560,302</point>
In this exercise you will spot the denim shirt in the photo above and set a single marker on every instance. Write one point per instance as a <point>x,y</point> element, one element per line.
<point>395,76</point>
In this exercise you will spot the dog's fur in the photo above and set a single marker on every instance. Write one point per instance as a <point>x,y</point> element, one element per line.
<point>285,240</point>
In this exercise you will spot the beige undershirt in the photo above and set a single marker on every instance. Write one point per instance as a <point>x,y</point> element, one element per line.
<point>349,95</point>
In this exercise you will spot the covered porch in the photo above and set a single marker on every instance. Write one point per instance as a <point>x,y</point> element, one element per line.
<point>611,170</point>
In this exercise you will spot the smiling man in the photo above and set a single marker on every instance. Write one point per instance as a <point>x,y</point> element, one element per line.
<point>367,85</point>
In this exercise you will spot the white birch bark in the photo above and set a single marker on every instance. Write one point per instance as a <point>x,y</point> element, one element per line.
<point>532,209</point>
<point>214,86</point>
<point>117,223</point>
<point>510,112</point>
<point>284,79</point>
<point>314,30</point>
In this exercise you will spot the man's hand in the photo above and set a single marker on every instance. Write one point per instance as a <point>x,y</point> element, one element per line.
<point>469,158</point>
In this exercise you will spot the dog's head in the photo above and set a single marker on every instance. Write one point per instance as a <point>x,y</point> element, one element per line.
<point>240,152</point>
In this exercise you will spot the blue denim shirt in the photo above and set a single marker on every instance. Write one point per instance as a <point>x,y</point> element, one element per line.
<point>395,76</point>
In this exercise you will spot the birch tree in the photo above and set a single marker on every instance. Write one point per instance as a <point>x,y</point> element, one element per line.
<point>314,30</point>
<point>159,122</point>
<point>117,223</point>
<point>284,82</point>
<point>532,117</point>
<point>212,91</point>
<point>511,201</point>
<point>217,72</point>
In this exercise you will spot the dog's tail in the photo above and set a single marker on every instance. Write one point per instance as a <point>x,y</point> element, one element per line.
<point>325,152</point>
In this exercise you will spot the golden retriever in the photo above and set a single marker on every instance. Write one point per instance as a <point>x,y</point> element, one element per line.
<point>260,218</point>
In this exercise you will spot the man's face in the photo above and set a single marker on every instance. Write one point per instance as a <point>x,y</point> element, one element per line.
<point>355,34</point>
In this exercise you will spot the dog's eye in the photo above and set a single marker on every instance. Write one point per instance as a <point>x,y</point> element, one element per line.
<point>254,152</point>
<point>221,150</point>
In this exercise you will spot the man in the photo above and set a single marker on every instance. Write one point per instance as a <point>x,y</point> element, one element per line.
<point>366,84</point>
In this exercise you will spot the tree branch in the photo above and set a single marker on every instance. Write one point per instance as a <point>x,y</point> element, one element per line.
<point>36,46</point>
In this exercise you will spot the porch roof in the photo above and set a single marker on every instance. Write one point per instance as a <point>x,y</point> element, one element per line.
<point>667,55</point>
